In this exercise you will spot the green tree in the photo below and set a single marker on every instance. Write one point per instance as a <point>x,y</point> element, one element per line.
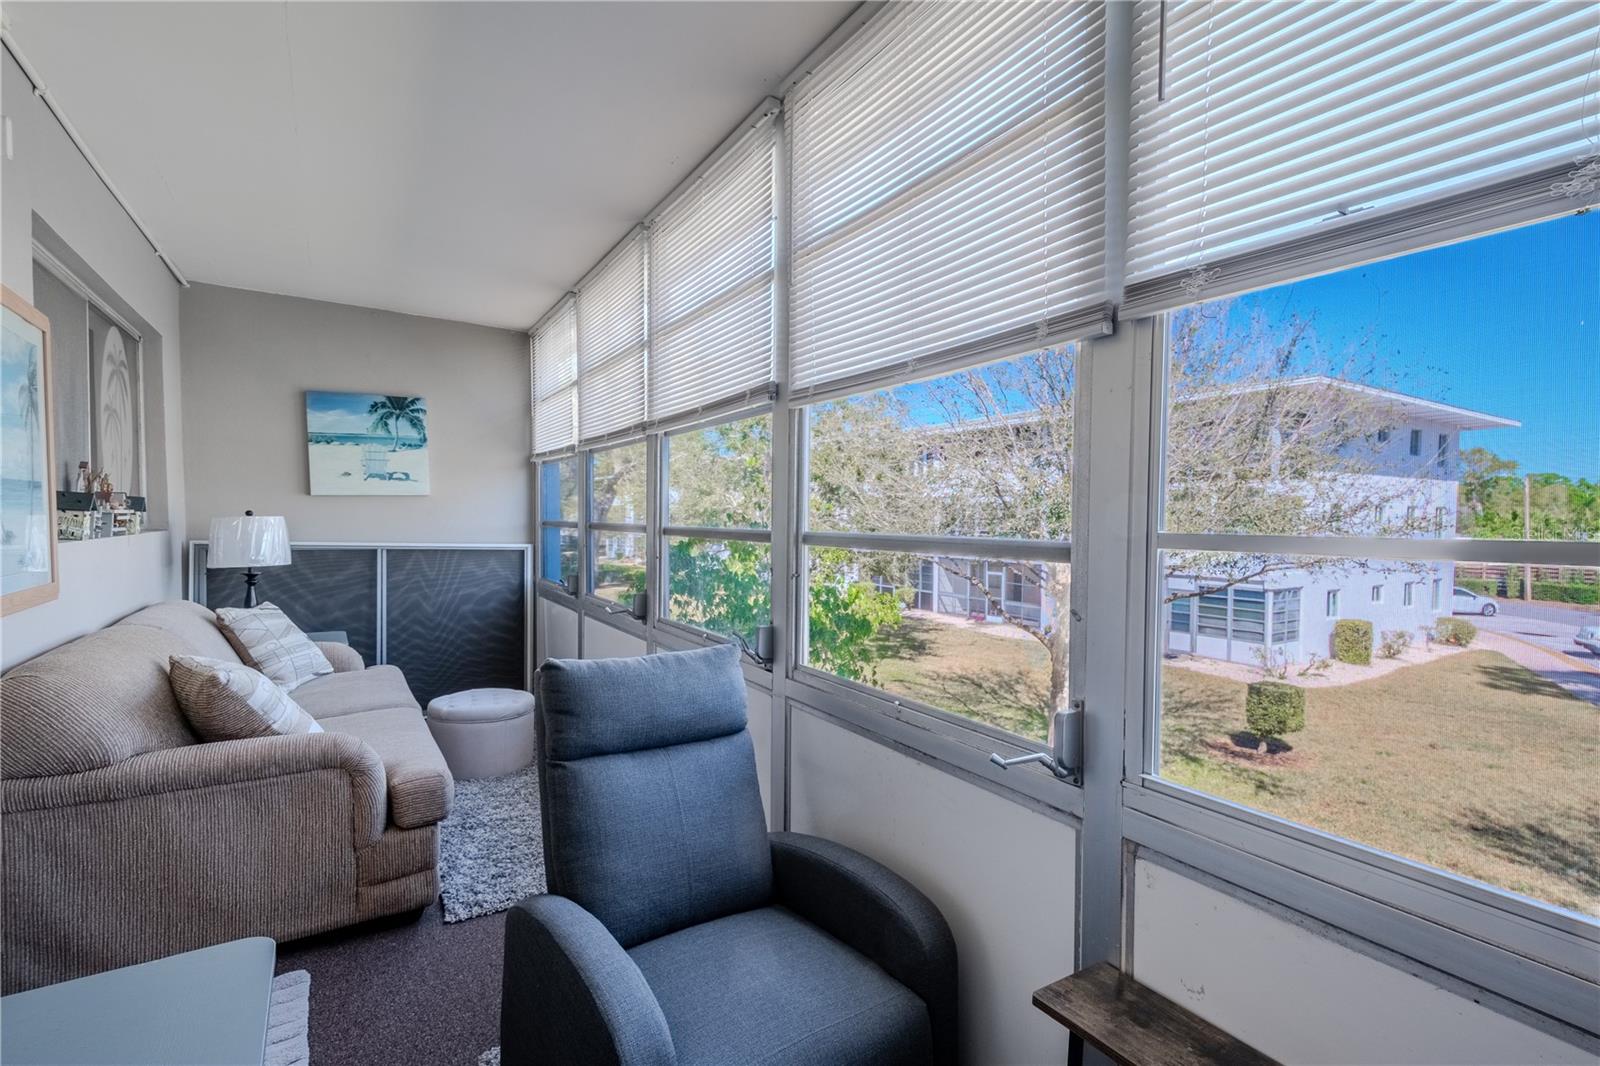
<point>390,414</point>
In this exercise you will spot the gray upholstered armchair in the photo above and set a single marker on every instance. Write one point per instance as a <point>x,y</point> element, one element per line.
<point>677,929</point>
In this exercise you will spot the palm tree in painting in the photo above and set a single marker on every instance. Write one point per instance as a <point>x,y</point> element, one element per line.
<point>28,401</point>
<point>391,414</point>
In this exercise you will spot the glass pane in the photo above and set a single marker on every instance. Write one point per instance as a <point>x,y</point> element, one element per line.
<point>984,452</point>
<point>721,476</point>
<point>1423,396</point>
<point>721,586</point>
<point>558,490</point>
<point>617,565</point>
<point>980,638</point>
<point>558,556</point>
<point>1462,734</point>
<point>617,485</point>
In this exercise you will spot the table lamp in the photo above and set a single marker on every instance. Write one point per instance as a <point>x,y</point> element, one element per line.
<point>249,541</point>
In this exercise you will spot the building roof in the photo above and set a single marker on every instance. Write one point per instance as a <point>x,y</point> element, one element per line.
<point>1413,407</point>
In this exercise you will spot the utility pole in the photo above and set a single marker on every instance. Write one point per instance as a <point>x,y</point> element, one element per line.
<point>1527,534</point>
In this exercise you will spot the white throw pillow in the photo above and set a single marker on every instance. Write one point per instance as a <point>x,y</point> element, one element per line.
<point>231,701</point>
<point>266,639</point>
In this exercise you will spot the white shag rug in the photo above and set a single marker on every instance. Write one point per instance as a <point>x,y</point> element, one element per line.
<point>490,1057</point>
<point>491,853</point>
<point>288,1018</point>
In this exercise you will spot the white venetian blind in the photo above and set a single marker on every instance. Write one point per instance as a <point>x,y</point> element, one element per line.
<point>948,188</point>
<point>555,380</point>
<point>711,284</point>
<point>1265,137</point>
<point>611,344</point>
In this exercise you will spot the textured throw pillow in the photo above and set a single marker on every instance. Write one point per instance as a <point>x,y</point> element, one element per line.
<point>230,701</point>
<point>266,639</point>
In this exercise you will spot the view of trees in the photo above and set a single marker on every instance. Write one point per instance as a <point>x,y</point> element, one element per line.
<point>1491,501</point>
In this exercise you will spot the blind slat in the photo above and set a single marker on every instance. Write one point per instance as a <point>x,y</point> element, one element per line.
<point>947,187</point>
<point>1285,123</point>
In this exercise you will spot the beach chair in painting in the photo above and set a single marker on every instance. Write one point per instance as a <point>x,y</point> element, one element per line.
<point>375,464</point>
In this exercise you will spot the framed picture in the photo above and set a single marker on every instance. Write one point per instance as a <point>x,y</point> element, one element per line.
<point>28,570</point>
<point>367,444</point>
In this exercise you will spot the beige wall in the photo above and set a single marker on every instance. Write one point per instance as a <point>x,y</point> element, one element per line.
<point>253,355</point>
<point>47,190</point>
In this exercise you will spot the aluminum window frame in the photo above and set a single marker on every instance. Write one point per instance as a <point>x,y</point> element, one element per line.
<point>1530,952</point>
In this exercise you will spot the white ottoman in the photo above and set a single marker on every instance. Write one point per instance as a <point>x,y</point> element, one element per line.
<point>483,732</point>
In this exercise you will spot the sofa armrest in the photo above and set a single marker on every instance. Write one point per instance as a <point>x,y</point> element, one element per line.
<point>219,764</point>
<point>342,657</point>
<point>878,913</point>
<point>569,993</point>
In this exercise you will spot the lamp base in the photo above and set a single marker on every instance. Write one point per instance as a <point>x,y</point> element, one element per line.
<point>250,579</point>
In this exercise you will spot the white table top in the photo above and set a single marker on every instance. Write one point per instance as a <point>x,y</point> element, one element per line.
<point>206,1006</point>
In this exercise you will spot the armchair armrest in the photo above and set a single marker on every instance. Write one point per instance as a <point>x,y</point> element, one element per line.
<point>227,762</point>
<point>878,913</point>
<point>569,993</point>
<point>342,657</point>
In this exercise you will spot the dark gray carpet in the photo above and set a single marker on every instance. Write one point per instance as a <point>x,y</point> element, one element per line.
<point>419,994</point>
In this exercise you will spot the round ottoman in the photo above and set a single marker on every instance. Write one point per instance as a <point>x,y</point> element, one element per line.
<point>483,732</point>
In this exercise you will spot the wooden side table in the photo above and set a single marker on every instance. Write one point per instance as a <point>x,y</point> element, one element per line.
<point>205,1006</point>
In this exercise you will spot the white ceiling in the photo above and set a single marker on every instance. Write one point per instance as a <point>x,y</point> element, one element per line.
<point>459,160</point>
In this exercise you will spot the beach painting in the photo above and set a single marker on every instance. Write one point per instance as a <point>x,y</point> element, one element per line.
<point>367,444</point>
<point>27,485</point>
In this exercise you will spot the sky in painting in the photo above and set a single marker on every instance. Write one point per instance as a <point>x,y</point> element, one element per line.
<point>339,412</point>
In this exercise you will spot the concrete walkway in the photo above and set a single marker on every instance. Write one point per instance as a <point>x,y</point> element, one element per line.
<point>1577,677</point>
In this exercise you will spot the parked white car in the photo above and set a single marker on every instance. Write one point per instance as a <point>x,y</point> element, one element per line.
<point>1465,601</point>
<point>1588,637</point>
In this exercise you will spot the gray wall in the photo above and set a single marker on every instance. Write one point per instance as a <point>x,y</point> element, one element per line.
<point>253,355</point>
<point>47,190</point>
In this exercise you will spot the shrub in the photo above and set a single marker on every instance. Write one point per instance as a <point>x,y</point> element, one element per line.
<point>1457,631</point>
<point>1273,709</point>
<point>1352,641</point>
<point>1566,592</point>
<point>1482,586</point>
<point>1394,643</point>
<point>1315,666</point>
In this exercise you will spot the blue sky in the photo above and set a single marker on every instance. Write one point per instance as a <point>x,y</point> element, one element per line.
<point>1508,324</point>
<point>339,412</point>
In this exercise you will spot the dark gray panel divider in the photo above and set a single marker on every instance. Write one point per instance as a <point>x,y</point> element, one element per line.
<point>324,588</point>
<point>456,618</point>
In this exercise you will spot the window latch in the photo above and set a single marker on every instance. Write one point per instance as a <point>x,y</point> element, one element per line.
<point>1065,757</point>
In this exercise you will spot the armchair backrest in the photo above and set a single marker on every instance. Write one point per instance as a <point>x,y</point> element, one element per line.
<point>650,806</point>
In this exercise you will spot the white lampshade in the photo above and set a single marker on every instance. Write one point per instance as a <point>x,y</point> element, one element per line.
<point>248,540</point>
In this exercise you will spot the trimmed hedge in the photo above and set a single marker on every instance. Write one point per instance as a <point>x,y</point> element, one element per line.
<point>1352,641</point>
<point>1273,709</point>
<point>1457,631</point>
<point>1566,592</point>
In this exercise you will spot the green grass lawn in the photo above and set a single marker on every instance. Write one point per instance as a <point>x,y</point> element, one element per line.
<point>1471,763</point>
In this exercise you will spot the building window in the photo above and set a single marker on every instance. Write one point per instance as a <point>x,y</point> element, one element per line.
<point>718,536</point>
<point>1244,506</point>
<point>1285,616</point>
<point>617,522</point>
<point>1383,435</point>
<point>981,453</point>
<point>1444,449</point>
<point>558,522</point>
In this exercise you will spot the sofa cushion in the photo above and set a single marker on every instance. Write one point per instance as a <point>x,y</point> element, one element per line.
<point>194,624</point>
<point>768,987</point>
<point>231,701</point>
<point>268,640</point>
<point>91,703</point>
<point>375,688</point>
<point>420,785</point>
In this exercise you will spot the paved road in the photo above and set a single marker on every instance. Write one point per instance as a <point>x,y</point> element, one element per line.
<point>1539,636</point>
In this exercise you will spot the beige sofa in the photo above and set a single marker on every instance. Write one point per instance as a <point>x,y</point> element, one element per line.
<point>124,839</point>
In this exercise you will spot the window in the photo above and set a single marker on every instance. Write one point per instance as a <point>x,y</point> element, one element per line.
<point>558,522</point>
<point>1460,750</point>
<point>971,475</point>
<point>617,522</point>
<point>1383,435</point>
<point>718,541</point>
<point>1443,454</point>
<point>1285,616</point>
